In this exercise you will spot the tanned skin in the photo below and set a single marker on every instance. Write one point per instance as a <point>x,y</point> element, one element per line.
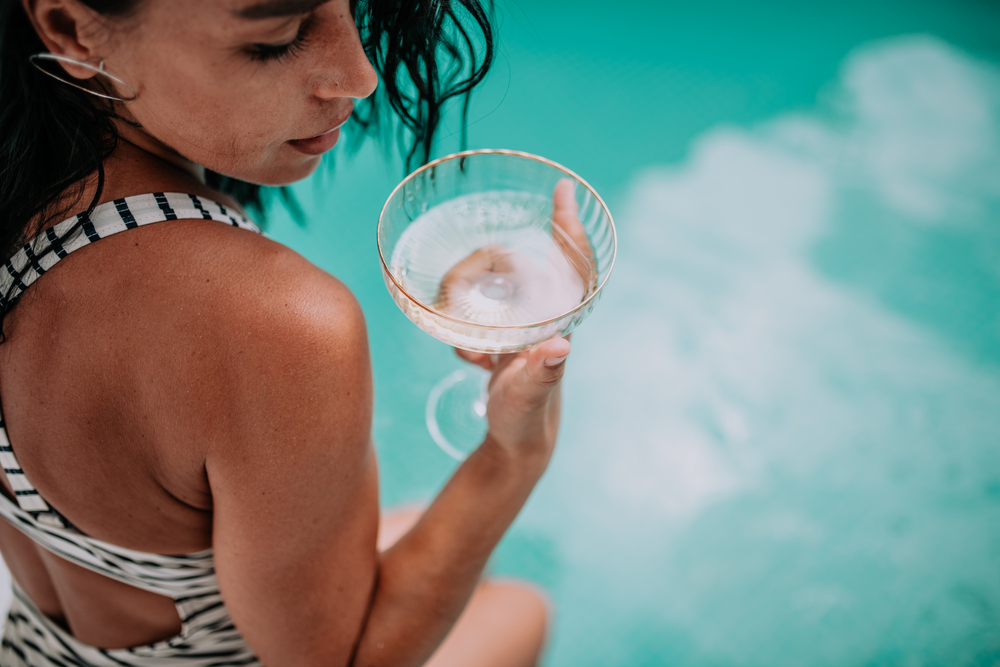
<point>189,384</point>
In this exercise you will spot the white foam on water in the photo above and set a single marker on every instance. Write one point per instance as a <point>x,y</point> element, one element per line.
<point>775,453</point>
<point>926,129</point>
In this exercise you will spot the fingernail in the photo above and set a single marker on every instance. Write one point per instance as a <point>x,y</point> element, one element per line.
<point>554,362</point>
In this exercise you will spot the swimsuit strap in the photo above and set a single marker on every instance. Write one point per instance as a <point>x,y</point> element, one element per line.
<point>44,251</point>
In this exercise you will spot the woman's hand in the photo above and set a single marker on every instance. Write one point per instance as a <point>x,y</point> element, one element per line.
<point>523,409</point>
<point>569,235</point>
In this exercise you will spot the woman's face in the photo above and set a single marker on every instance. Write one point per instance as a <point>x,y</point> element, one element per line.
<point>252,89</point>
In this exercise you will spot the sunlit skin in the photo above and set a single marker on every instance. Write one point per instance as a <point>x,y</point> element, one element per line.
<point>189,384</point>
<point>203,99</point>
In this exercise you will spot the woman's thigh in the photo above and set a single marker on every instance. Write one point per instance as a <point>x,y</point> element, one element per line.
<point>504,624</point>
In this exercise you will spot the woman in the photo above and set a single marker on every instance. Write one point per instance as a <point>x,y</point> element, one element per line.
<point>190,388</point>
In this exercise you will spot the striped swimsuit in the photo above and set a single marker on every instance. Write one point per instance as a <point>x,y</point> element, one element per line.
<point>208,636</point>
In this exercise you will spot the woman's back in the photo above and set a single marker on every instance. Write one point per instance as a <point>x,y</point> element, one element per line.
<point>122,364</point>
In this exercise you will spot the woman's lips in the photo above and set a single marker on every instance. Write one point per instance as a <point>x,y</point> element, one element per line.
<point>319,144</point>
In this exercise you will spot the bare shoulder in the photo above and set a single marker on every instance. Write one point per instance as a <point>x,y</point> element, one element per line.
<point>263,286</point>
<point>238,284</point>
<point>267,357</point>
<point>302,326</point>
<point>226,326</point>
<point>267,315</point>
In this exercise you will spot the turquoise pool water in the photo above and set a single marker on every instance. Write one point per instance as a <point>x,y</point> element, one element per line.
<point>782,424</point>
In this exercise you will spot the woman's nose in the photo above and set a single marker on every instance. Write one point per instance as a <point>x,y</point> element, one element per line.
<point>342,67</point>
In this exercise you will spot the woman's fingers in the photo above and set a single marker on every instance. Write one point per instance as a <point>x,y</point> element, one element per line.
<point>492,258</point>
<point>547,361</point>
<point>564,201</point>
<point>542,369</point>
<point>566,216</point>
<point>543,366</point>
<point>568,232</point>
<point>523,410</point>
<point>485,361</point>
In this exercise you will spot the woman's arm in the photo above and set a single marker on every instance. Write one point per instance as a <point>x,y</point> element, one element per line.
<point>295,486</point>
<point>426,578</point>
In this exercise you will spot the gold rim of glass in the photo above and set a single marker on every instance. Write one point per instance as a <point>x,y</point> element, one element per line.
<point>498,151</point>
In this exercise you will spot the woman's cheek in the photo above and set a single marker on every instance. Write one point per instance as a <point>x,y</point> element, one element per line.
<point>235,121</point>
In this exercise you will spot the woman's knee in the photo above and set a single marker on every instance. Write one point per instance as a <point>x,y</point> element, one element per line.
<point>522,600</point>
<point>505,624</point>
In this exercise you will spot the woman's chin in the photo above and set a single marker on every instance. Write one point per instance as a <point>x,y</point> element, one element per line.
<point>281,175</point>
<point>297,172</point>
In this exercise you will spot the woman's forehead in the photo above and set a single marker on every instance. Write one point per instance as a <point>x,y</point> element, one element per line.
<point>229,15</point>
<point>268,9</point>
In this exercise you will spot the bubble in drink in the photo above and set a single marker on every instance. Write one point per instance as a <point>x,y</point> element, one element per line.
<point>493,258</point>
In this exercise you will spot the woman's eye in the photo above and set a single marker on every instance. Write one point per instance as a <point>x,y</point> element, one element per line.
<point>266,52</point>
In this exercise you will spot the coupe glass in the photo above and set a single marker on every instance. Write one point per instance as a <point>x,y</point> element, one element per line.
<point>492,251</point>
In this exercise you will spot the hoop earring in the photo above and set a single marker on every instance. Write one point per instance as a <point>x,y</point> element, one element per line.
<point>96,70</point>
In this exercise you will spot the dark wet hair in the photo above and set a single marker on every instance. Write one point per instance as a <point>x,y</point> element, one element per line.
<point>53,136</point>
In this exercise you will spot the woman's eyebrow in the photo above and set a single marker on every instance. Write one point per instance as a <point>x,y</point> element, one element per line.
<point>270,9</point>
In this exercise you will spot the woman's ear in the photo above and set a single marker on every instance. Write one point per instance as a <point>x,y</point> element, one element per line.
<point>67,28</point>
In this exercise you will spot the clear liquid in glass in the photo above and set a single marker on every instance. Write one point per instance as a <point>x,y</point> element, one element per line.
<point>493,258</point>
